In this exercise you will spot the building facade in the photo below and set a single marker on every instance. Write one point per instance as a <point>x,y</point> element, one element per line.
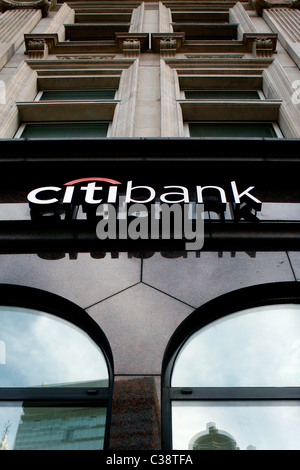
<point>120,335</point>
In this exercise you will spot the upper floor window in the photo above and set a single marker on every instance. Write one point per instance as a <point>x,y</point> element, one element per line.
<point>75,95</point>
<point>233,129</point>
<point>58,112</point>
<point>204,25</point>
<point>55,375</point>
<point>95,31</point>
<point>223,94</point>
<point>226,106</point>
<point>234,379</point>
<point>62,130</point>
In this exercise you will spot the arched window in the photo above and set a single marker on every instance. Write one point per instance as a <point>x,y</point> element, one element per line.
<point>55,374</point>
<point>232,373</point>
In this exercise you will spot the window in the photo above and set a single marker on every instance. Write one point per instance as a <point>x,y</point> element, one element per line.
<point>82,95</point>
<point>199,25</point>
<point>234,129</point>
<point>95,32</point>
<point>62,129</point>
<point>232,373</point>
<point>222,94</point>
<point>67,113</point>
<point>228,107</point>
<point>55,374</point>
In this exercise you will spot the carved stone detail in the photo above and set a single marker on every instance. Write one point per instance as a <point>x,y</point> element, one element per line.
<point>167,43</point>
<point>260,5</point>
<point>37,49</point>
<point>262,47</point>
<point>43,5</point>
<point>131,47</point>
<point>168,47</point>
<point>85,57</point>
<point>214,56</point>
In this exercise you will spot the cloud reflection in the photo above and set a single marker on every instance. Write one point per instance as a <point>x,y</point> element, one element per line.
<point>42,349</point>
<point>256,347</point>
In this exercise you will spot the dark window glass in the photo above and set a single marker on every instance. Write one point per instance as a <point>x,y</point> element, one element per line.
<point>221,94</point>
<point>233,129</point>
<point>51,95</point>
<point>71,129</point>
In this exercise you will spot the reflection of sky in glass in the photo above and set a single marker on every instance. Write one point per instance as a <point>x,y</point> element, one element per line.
<point>256,347</point>
<point>263,426</point>
<point>42,349</point>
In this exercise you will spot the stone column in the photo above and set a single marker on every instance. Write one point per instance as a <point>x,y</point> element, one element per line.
<point>286,23</point>
<point>13,25</point>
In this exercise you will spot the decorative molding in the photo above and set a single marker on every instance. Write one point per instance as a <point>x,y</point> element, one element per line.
<point>262,44</point>
<point>286,23</point>
<point>43,5</point>
<point>34,42</point>
<point>276,84</point>
<point>261,5</point>
<point>262,47</point>
<point>167,42</point>
<point>214,56</point>
<point>132,43</point>
<point>238,14</point>
<point>235,66</point>
<point>168,47</point>
<point>13,25</point>
<point>131,47</point>
<point>55,66</point>
<point>129,44</point>
<point>65,15</point>
<point>85,57</point>
<point>37,49</point>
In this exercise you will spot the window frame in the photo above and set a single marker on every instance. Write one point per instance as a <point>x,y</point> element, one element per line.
<point>21,128</point>
<point>40,94</point>
<point>236,301</point>
<point>39,300</point>
<point>277,130</point>
<point>260,93</point>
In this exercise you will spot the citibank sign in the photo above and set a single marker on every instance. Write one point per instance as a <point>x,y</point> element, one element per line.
<point>141,212</point>
<point>93,192</point>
